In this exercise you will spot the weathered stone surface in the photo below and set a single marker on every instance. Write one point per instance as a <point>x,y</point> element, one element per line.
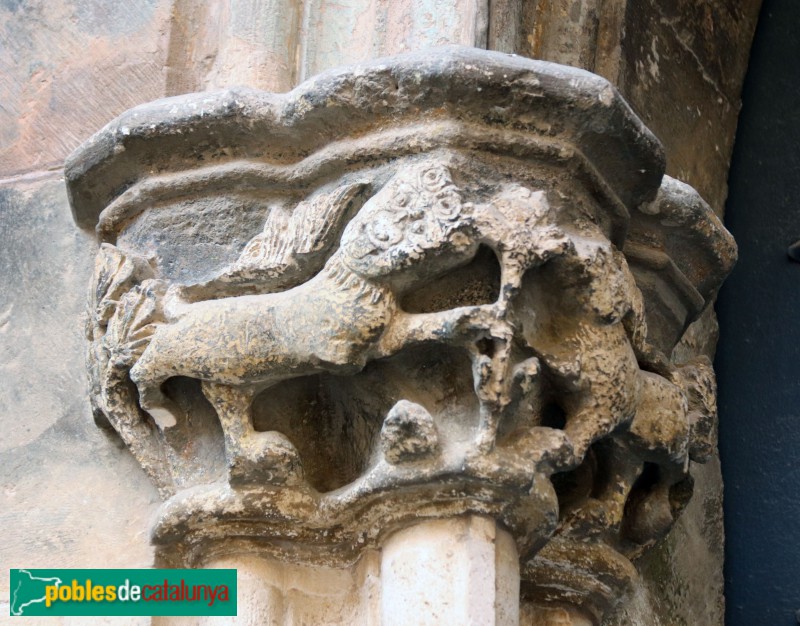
<point>40,251</point>
<point>532,615</point>
<point>153,48</point>
<point>69,66</point>
<point>680,64</point>
<point>456,279</point>
<point>457,571</point>
<point>377,29</point>
<point>70,496</point>
<point>682,69</point>
<point>225,128</point>
<point>232,42</point>
<point>408,433</point>
<point>277,593</point>
<point>66,67</point>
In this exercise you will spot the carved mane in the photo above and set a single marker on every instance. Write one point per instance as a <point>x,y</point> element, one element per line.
<point>345,278</point>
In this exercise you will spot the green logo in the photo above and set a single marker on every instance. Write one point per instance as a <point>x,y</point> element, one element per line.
<point>109,592</point>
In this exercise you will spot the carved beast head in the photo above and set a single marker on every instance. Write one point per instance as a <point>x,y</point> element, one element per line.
<point>417,223</point>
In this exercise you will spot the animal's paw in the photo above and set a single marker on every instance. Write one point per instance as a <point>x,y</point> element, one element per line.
<point>593,518</point>
<point>265,458</point>
<point>482,321</point>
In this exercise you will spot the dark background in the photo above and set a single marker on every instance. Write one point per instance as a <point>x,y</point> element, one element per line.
<point>758,360</point>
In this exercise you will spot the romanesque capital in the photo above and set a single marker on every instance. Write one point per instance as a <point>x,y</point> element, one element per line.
<point>434,285</point>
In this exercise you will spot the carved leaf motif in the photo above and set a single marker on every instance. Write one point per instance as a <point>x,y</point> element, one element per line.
<point>115,273</point>
<point>135,320</point>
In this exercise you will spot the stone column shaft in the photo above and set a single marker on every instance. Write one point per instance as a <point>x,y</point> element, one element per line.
<point>462,571</point>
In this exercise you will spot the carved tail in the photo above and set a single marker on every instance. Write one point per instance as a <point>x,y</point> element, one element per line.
<point>290,249</point>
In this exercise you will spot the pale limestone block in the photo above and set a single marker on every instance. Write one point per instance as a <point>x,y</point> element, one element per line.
<point>271,592</point>
<point>458,571</point>
<point>233,42</point>
<point>335,32</point>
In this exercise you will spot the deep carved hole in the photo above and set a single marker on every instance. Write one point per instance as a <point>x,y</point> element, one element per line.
<point>197,453</point>
<point>680,494</point>
<point>644,485</point>
<point>647,479</point>
<point>473,284</point>
<point>644,517</point>
<point>329,435</point>
<point>335,421</point>
<point>486,347</point>
<point>573,488</point>
<point>606,476</point>
<point>553,416</point>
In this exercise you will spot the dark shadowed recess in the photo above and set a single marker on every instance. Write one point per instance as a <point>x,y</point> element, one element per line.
<point>758,362</point>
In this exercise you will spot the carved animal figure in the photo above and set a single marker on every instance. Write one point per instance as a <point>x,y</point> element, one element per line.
<point>584,329</point>
<point>415,227</point>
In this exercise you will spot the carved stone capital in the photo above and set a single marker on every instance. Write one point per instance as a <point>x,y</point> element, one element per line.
<point>439,284</point>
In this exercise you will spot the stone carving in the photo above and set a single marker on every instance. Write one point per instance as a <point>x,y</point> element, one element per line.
<point>409,433</point>
<point>337,321</point>
<point>471,313</point>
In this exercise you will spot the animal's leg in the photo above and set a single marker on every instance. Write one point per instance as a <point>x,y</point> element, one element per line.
<point>599,389</point>
<point>462,325</point>
<point>152,399</point>
<point>488,337</point>
<point>622,470</point>
<point>252,457</point>
<point>521,388</point>
<point>659,434</point>
<point>512,269</point>
<point>587,425</point>
<point>485,333</point>
<point>651,514</point>
<point>490,372</point>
